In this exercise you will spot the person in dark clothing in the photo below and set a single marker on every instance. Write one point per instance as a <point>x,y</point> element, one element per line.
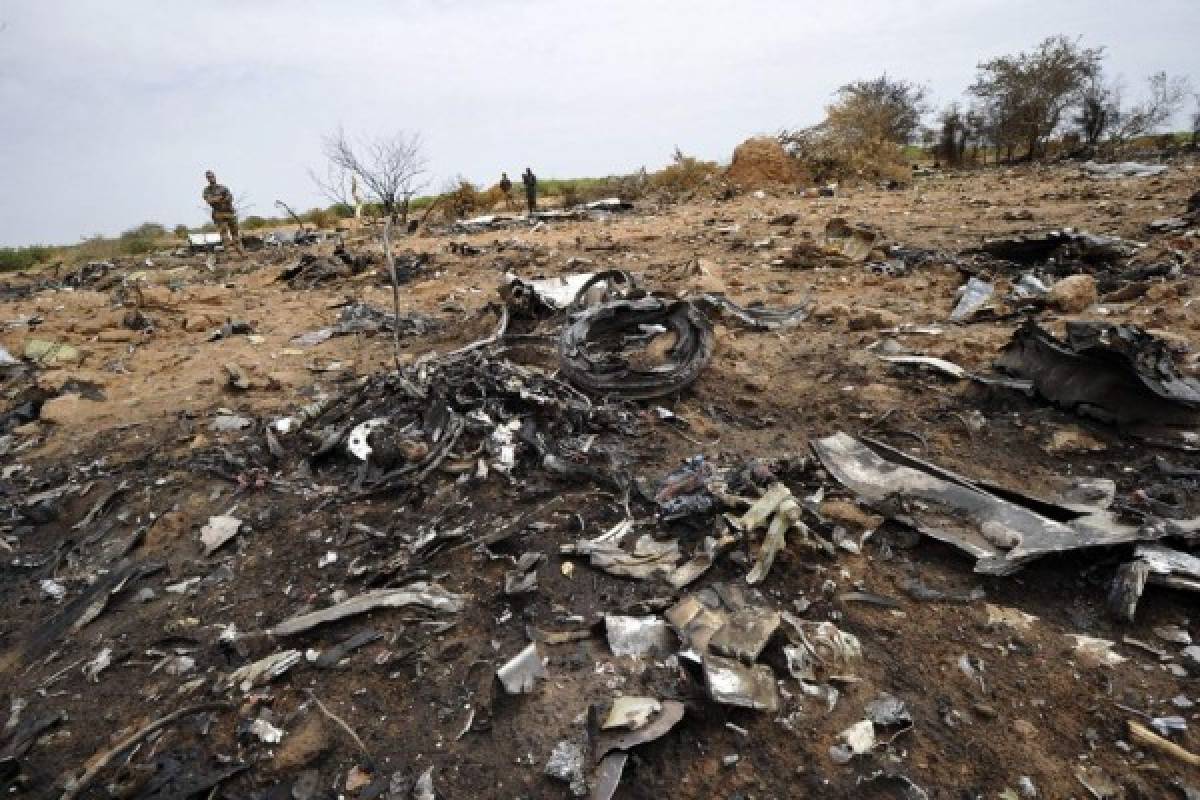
<point>530,181</point>
<point>506,188</point>
<point>224,216</point>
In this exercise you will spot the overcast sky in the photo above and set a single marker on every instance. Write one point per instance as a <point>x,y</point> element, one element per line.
<point>111,111</point>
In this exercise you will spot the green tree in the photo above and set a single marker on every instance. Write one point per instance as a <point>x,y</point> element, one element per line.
<point>879,111</point>
<point>320,217</point>
<point>13,259</point>
<point>953,134</point>
<point>142,239</point>
<point>1099,109</point>
<point>1027,94</point>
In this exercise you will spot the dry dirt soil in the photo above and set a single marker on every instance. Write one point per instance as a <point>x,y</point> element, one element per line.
<point>137,414</point>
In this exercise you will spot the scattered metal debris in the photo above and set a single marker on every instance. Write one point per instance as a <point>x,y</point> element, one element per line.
<point>264,670</point>
<point>589,359</point>
<point>520,674</point>
<point>1001,529</point>
<point>857,740</point>
<point>731,682</point>
<point>1122,169</point>
<point>631,712</point>
<point>745,634</point>
<point>1154,564</point>
<point>638,636</point>
<point>427,595</point>
<point>610,748</point>
<point>566,764</point>
<point>759,318</point>
<point>1114,373</point>
<point>976,293</point>
<point>779,511</point>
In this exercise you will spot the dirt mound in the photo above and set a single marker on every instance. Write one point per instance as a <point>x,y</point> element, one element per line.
<point>762,161</point>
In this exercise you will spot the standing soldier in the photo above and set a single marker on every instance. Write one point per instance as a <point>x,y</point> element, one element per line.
<point>506,187</point>
<point>220,199</point>
<point>530,181</point>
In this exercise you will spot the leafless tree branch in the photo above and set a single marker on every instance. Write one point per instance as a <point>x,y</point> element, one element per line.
<point>390,169</point>
<point>334,185</point>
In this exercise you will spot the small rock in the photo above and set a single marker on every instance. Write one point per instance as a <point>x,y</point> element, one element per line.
<point>1073,440</point>
<point>158,297</point>
<point>1182,701</point>
<point>357,778</point>
<point>201,323</point>
<point>869,319</point>
<point>62,409</point>
<point>758,381</point>
<point>303,745</point>
<point>146,595</point>
<point>1073,294</point>
<point>1025,787</point>
<point>985,711</point>
<point>1159,292</point>
<point>730,760</point>
<point>830,312</point>
<point>210,295</point>
<point>1025,728</point>
<point>168,528</point>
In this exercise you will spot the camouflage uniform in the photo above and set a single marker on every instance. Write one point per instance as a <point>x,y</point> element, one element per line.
<point>506,190</point>
<point>223,214</point>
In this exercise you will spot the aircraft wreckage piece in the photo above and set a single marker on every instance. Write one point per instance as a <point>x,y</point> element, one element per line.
<point>611,747</point>
<point>429,595</point>
<point>1122,169</point>
<point>854,242</point>
<point>1114,373</point>
<point>1002,529</point>
<point>779,511</point>
<point>759,318</point>
<point>568,292</point>
<point>521,673</point>
<point>1035,247</point>
<point>593,359</point>
<point>1154,564</point>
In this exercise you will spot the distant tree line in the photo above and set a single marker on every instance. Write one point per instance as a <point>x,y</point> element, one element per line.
<point>1017,104</point>
<point>1016,107</point>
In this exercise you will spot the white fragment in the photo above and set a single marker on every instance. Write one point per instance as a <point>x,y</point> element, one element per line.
<point>266,732</point>
<point>356,442</point>
<point>53,589</point>
<point>217,532</point>
<point>856,740</point>
<point>101,662</point>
